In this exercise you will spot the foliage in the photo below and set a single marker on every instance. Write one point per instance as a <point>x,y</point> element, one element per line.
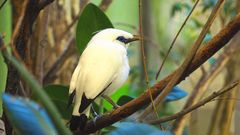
<point>175,94</point>
<point>27,116</point>
<point>129,128</point>
<point>5,31</point>
<point>179,6</point>
<point>60,99</point>
<point>91,21</point>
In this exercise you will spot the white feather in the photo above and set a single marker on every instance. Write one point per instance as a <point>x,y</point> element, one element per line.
<point>103,62</point>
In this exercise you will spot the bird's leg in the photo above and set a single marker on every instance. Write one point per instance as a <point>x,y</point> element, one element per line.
<point>95,115</point>
<point>115,106</point>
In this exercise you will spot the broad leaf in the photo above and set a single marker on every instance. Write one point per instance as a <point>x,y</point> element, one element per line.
<point>175,94</point>
<point>6,30</point>
<point>27,116</point>
<point>124,99</point>
<point>59,96</point>
<point>129,128</point>
<point>91,20</point>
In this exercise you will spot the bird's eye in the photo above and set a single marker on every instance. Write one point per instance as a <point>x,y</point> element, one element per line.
<point>122,39</point>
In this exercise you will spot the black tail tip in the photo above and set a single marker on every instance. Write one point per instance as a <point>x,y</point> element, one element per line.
<point>78,122</point>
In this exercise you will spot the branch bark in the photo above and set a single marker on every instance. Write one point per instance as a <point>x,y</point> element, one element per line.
<point>105,4</point>
<point>192,52</point>
<point>204,83</point>
<point>195,106</point>
<point>204,53</point>
<point>20,38</point>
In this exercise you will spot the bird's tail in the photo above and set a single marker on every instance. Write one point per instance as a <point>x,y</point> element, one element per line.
<point>78,122</point>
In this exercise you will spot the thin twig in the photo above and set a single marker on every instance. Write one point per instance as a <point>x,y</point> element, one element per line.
<point>204,83</point>
<point>186,62</point>
<point>175,38</point>
<point>197,105</point>
<point>4,2</point>
<point>143,54</point>
<point>199,90</point>
<point>105,4</point>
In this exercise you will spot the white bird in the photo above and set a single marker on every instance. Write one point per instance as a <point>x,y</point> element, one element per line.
<point>102,68</point>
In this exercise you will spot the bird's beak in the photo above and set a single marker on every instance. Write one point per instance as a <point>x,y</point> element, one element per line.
<point>135,38</point>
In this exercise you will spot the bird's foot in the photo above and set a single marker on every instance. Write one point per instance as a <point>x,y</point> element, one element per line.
<point>95,119</point>
<point>95,116</point>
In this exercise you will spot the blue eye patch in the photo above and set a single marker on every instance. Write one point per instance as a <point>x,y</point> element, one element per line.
<point>122,39</point>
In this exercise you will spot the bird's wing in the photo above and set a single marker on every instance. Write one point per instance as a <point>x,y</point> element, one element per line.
<point>99,66</point>
<point>72,87</point>
<point>74,79</point>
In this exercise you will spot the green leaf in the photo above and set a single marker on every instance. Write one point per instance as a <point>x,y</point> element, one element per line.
<point>130,128</point>
<point>177,7</point>
<point>119,93</point>
<point>91,20</point>
<point>59,96</point>
<point>6,21</point>
<point>3,79</point>
<point>124,99</point>
<point>6,30</point>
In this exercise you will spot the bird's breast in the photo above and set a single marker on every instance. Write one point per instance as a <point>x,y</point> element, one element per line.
<point>121,77</point>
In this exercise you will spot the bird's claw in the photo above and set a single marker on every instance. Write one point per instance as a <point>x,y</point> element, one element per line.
<point>95,119</point>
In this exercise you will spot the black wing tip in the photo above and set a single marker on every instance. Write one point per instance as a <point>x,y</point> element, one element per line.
<point>78,121</point>
<point>70,99</point>
<point>85,102</point>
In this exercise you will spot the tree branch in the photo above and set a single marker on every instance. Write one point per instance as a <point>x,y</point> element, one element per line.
<point>204,53</point>
<point>105,4</point>
<point>205,81</point>
<point>197,105</point>
<point>43,3</point>
<point>192,52</point>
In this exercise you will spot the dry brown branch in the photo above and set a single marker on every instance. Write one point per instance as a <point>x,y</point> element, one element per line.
<point>204,53</point>
<point>187,61</point>
<point>143,55</point>
<point>204,83</point>
<point>195,106</point>
<point>105,4</point>
<point>20,38</point>
<point>199,90</point>
<point>230,106</point>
